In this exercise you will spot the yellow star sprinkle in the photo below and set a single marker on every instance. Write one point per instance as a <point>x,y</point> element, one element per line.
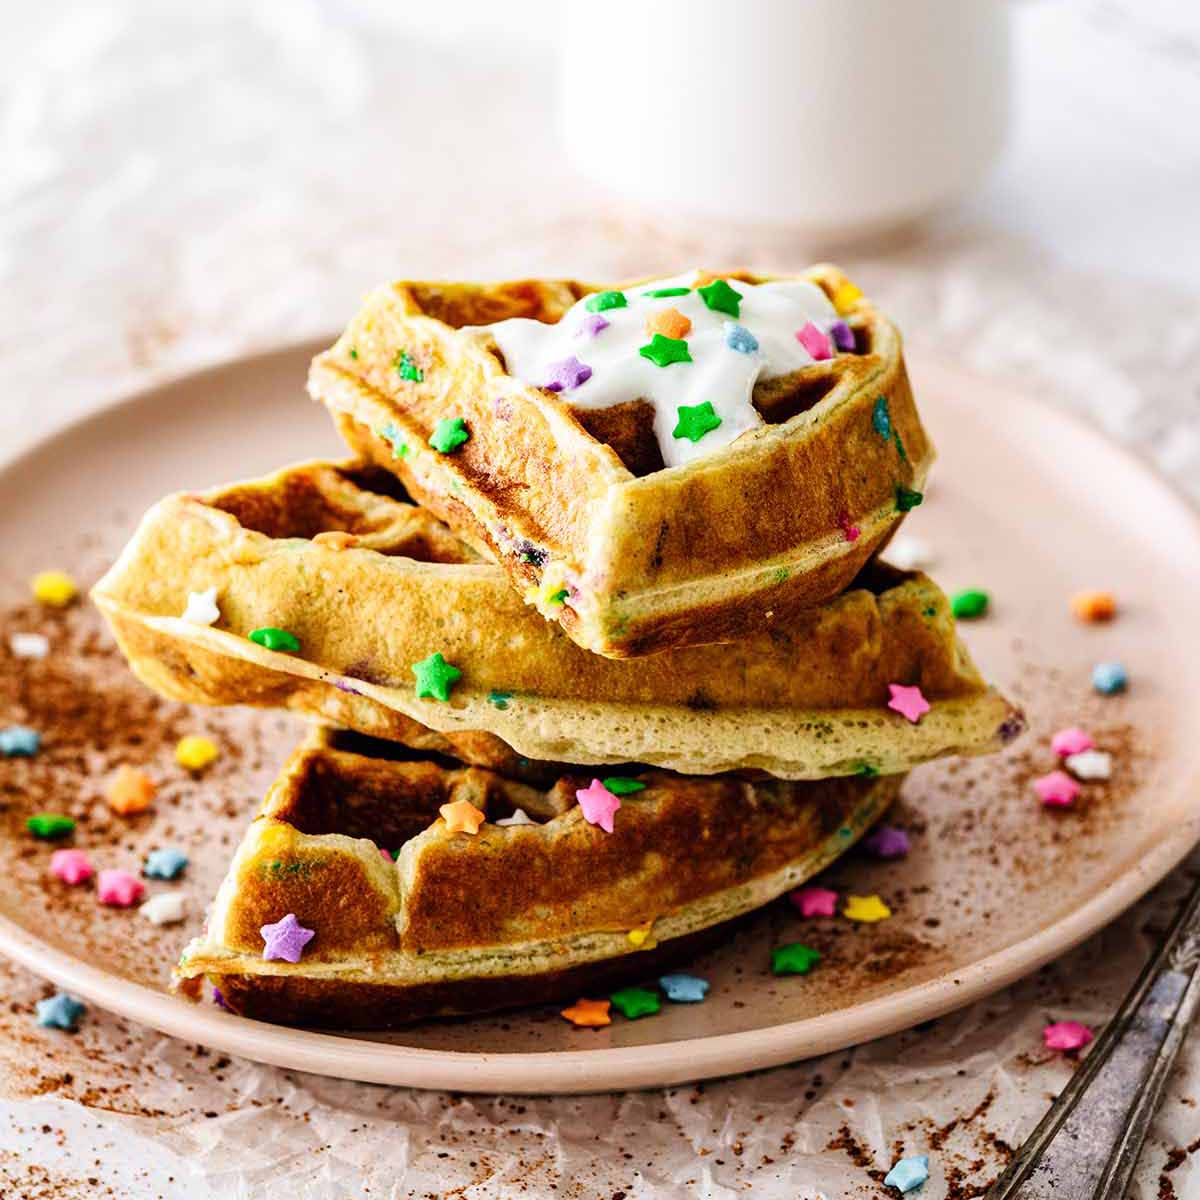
<point>56,589</point>
<point>462,817</point>
<point>195,753</point>
<point>592,1013</point>
<point>640,937</point>
<point>846,296</point>
<point>866,908</point>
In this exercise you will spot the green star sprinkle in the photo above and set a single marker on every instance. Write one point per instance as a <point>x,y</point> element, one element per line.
<point>634,1002</point>
<point>623,787</point>
<point>353,351</point>
<point>794,959</point>
<point>559,597</point>
<point>50,826</point>
<point>695,420</point>
<point>881,419</point>
<point>866,770</point>
<point>906,498</point>
<point>662,351</point>
<point>408,369</point>
<point>602,301</point>
<point>435,678</point>
<point>969,604</point>
<point>499,699</point>
<point>276,639</point>
<point>663,293</point>
<point>718,296</point>
<point>899,445</point>
<point>451,432</point>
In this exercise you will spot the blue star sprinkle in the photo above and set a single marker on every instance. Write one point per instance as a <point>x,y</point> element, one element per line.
<point>167,863</point>
<point>19,740</point>
<point>684,989</point>
<point>60,1011</point>
<point>908,1173</point>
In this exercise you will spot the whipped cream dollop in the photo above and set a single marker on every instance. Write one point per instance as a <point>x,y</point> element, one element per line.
<point>692,351</point>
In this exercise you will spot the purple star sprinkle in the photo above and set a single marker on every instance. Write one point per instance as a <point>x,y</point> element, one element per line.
<point>285,939</point>
<point>567,374</point>
<point>842,334</point>
<point>343,686</point>
<point>887,842</point>
<point>219,1000</point>
<point>592,325</point>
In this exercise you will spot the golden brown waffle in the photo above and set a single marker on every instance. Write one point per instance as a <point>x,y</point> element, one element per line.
<point>803,698</point>
<point>630,559</point>
<point>513,915</point>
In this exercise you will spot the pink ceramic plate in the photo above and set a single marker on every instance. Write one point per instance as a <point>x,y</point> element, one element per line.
<point>1026,503</point>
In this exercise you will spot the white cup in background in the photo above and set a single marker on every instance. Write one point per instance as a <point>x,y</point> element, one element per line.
<point>839,117</point>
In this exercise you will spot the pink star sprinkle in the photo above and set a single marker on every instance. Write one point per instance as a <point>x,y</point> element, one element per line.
<point>71,866</point>
<point>119,888</point>
<point>598,805</point>
<point>814,341</point>
<point>850,532</point>
<point>1056,788</point>
<point>1071,741</point>
<point>1066,1035</point>
<point>908,702</point>
<point>814,901</point>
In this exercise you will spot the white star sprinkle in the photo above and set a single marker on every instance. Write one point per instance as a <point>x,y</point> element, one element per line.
<point>167,908</point>
<point>202,607</point>
<point>1090,764</point>
<point>519,817</point>
<point>910,553</point>
<point>29,645</point>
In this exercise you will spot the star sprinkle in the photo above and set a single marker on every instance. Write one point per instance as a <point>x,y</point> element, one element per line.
<point>19,741</point>
<point>814,901</point>
<point>285,940</point>
<point>1057,789</point>
<point>970,604</point>
<point>390,433</point>
<point>499,699</point>
<point>907,499</point>
<point>670,322</point>
<point>908,702</point>
<point>623,787</point>
<point>718,296</point>
<point>695,420</point>
<point>634,1002</point>
<point>739,338</point>
<point>54,589</point>
<point>842,335</point>
<point>119,889</point>
<point>887,842</point>
<point>271,638</point>
<point>846,296</point>
<point>50,826</point>
<point>664,292</point>
<point>593,325</point>
<point>1066,1035</point>
<point>794,959</point>
<point>71,866</point>
<point>449,434</point>
<point>462,817</point>
<point>867,909</point>
<point>588,1013</point>
<point>814,341</point>
<point>603,301</point>
<point>29,645</point>
<point>567,374</point>
<point>435,678</point>
<point>684,989</point>
<point>60,1011</point>
<point>663,351</point>
<point>165,863</point>
<point>519,817</point>
<point>641,936</point>
<point>130,791</point>
<point>167,908</point>
<point>598,805</point>
<point>910,553</point>
<point>335,539</point>
<point>850,532</point>
<point>1090,764</point>
<point>1071,741</point>
<point>409,371</point>
<point>908,1173</point>
<point>881,419</point>
<point>1109,678</point>
<point>201,608</point>
<point>194,753</point>
<point>1091,607</point>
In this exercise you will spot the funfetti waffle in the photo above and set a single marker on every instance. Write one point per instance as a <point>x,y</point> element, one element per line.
<point>658,465</point>
<point>321,589</point>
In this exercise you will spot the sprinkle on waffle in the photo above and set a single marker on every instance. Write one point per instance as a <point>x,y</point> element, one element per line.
<point>588,1014</point>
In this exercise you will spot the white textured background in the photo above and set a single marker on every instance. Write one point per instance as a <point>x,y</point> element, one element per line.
<point>183,182</point>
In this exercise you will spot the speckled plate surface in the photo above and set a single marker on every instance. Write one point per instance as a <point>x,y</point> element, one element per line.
<point>1025,502</point>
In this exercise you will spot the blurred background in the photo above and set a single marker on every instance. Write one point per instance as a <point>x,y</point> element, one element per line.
<point>186,182</point>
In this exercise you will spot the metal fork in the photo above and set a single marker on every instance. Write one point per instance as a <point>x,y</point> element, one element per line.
<point>1087,1144</point>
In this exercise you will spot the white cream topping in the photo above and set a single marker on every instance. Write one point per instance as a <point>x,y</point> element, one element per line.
<point>719,373</point>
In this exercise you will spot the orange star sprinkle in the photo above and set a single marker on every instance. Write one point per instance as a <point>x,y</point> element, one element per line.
<point>130,791</point>
<point>670,322</point>
<point>462,817</point>
<point>335,539</point>
<point>1094,606</point>
<point>588,1013</point>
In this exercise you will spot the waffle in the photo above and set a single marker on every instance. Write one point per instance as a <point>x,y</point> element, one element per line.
<point>628,557</point>
<point>514,915</point>
<point>802,698</point>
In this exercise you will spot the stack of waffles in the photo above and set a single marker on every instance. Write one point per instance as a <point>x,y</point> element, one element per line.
<point>591,631</point>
